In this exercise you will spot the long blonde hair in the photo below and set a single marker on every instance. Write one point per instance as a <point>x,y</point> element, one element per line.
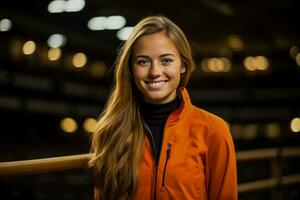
<point>117,142</point>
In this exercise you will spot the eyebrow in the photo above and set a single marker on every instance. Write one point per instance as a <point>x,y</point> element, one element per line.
<point>163,55</point>
<point>167,54</point>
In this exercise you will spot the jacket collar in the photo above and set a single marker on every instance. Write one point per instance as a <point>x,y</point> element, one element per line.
<point>184,107</point>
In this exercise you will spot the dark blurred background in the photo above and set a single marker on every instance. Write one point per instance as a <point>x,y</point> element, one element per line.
<point>56,71</point>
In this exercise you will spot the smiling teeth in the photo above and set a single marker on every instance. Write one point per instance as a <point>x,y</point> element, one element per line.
<point>156,85</point>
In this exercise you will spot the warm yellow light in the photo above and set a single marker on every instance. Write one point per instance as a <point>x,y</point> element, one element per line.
<point>29,47</point>
<point>219,65</point>
<point>54,54</point>
<point>256,63</point>
<point>204,65</point>
<point>294,51</point>
<point>235,42</point>
<point>227,64</point>
<point>261,62</point>
<point>295,125</point>
<point>249,63</point>
<point>68,125</point>
<point>216,65</point>
<point>89,125</point>
<point>298,59</point>
<point>79,60</point>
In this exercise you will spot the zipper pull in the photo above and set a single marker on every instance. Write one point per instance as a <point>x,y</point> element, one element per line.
<point>169,150</point>
<point>169,147</point>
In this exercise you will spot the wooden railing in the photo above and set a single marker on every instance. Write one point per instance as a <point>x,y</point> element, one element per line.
<point>47,165</point>
<point>43,165</point>
<point>275,155</point>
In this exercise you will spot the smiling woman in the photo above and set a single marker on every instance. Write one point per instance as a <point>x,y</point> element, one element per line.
<point>150,142</point>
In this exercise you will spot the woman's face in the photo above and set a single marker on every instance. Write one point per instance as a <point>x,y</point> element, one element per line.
<point>156,67</point>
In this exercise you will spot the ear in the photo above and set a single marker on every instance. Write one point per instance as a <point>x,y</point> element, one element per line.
<point>182,69</point>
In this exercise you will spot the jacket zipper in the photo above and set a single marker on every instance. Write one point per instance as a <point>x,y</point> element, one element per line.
<point>168,155</point>
<point>169,148</point>
<point>153,194</point>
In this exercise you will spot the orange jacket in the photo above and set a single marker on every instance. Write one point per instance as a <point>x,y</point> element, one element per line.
<point>197,159</point>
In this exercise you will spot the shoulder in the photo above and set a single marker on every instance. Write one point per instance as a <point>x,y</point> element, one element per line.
<point>207,117</point>
<point>216,127</point>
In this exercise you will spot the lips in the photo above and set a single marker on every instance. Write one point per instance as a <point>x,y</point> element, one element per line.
<point>155,84</point>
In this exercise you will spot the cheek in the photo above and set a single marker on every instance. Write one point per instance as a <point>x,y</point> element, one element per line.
<point>174,73</point>
<point>138,73</point>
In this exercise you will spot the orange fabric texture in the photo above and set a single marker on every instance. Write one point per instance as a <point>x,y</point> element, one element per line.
<point>197,160</point>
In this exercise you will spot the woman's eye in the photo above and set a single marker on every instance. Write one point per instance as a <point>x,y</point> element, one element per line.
<point>142,62</point>
<point>166,61</point>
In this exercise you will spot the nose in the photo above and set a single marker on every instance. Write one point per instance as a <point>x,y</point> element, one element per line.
<point>155,71</point>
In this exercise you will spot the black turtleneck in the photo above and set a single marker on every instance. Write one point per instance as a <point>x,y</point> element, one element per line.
<point>155,116</point>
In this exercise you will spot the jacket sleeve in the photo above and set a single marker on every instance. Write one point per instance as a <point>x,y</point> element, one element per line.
<point>221,171</point>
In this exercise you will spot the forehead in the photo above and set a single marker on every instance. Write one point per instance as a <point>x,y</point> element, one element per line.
<point>156,43</point>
